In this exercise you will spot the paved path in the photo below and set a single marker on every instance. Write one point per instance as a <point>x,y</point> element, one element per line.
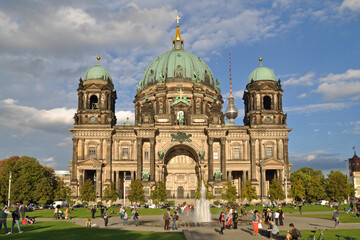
<point>212,233</point>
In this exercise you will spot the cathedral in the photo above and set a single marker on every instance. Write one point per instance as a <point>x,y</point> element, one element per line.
<point>181,135</point>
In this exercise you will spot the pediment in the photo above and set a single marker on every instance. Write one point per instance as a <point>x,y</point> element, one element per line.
<point>271,162</point>
<point>267,87</point>
<point>90,161</point>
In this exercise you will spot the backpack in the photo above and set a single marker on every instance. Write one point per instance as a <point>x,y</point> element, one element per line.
<point>298,232</point>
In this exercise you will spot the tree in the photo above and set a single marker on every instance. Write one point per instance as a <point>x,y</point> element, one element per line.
<point>62,191</point>
<point>87,191</point>
<point>45,190</point>
<point>275,190</point>
<point>316,190</point>
<point>337,186</point>
<point>159,195</point>
<point>229,192</point>
<point>307,177</point>
<point>297,189</point>
<point>137,193</point>
<point>110,193</point>
<point>208,194</point>
<point>248,192</point>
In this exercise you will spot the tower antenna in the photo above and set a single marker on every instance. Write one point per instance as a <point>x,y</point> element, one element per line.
<point>230,74</point>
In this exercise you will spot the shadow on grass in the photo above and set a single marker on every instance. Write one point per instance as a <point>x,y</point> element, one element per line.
<point>70,231</point>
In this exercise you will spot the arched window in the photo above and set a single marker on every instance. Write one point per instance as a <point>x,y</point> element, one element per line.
<point>93,102</point>
<point>267,103</point>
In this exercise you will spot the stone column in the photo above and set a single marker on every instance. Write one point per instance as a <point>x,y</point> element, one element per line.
<point>152,159</point>
<point>223,160</point>
<point>139,157</point>
<point>116,150</point>
<point>243,180</point>
<point>210,160</point>
<point>263,182</point>
<point>74,160</point>
<point>253,160</point>
<point>260,150</point>
<point>278,148</point>
<point>98,183</point>
<point>83,148</point>
<point>286,157</point>
<point>132,175</point>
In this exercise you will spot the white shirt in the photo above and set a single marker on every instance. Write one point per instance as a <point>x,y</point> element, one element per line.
<point>276,215</point>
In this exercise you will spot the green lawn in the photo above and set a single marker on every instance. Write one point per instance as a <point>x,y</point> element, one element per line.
<point>70,231</point>
<point>330,234</point>
<point>344,217</point>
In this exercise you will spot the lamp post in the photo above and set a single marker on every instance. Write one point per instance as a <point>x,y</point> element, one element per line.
<point>9,189</point>
<point>262,165</point>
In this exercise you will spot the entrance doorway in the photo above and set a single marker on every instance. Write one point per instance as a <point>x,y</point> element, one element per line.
<point>181,175</point>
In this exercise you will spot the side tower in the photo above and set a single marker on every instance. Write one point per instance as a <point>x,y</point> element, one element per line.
<point>268,131</point>
<point>92,131</point>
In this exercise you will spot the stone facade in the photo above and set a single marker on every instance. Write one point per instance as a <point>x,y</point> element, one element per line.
<point>180,136</point>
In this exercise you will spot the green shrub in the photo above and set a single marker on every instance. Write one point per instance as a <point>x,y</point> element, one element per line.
<point>171,203</point>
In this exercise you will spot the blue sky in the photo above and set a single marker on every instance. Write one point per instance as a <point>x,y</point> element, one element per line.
<point>312,46</point>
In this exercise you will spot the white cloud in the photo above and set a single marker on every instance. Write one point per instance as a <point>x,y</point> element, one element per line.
<point>316,130</point>
<point>281,3</point>
<point>306,80</point>
<point>311,108</point>
<point>353,5</point>
<point>303,95</point>
<point>238,94</point>
<point>350,74</point>
<point>122,116</point>
<point>49,160</point>
<point>354,128</point>
<point>319,159</point>
<point>27,119</point>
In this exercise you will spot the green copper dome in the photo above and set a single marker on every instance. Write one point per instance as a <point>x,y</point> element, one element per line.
<point>262,73</point>
<point>177,65</point>
<point>97,72</point>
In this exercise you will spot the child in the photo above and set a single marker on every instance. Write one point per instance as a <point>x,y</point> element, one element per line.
<point>88,223</point>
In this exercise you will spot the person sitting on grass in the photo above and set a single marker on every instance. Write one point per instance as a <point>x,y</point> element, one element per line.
<point>294,233</point>
<point>25,221</point>
<point>31,221</point>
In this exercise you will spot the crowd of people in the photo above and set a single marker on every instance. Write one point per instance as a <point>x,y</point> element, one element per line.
<point>17,214</point>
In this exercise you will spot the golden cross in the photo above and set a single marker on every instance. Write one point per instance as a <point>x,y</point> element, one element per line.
<point>180,93</point>
<point>177,19</point>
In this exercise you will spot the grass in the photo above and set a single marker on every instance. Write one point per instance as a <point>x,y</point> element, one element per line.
<point>67,230</point>
<point>330,234</point>
<point>344,217</point>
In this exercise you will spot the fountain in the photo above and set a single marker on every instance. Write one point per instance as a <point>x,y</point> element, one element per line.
<point>202,207</point>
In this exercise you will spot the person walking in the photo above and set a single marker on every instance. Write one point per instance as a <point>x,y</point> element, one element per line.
<point>175,217</point>
<point>281,217</point>
<point>235,216</point>
<point>300,208</point>
<point>166,218</point>
<point>106,217</point>
<point>16,217</point>
<point>255,222</point>
<point>93,211</point>
<point>136,217</point>
<point>222,222</point>
<point>22,210</point>
<point>125,217</point>
<point>3,216</point>
<point>102,209</point>
<point>122,212</point>
<point>335,217</point>
<point>187,210</point>
<point>276,217</point>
